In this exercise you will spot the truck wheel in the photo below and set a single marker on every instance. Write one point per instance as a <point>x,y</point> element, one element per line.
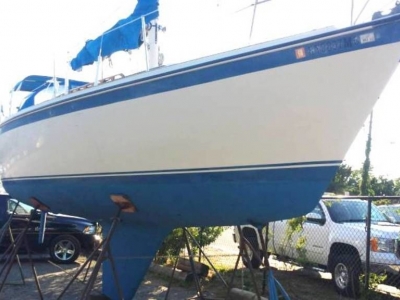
<point>346,275</point>
<point>64,249</point>
<point>254,261</point>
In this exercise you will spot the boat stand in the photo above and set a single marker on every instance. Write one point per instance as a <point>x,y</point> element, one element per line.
<point>103,252</point>
<point>185,234</point>
<point>244,245</point>
<point>11,252</point>
<point>7,228</point>
<point>275,289</point>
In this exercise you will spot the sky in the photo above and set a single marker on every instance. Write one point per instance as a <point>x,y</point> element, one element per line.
<point>40,36</point>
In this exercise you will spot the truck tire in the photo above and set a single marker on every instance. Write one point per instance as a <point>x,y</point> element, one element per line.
<point>64,249</point>
<point>346,272</point>
<point>254,261</point>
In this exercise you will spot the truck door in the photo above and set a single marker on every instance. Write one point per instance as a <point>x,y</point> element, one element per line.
<point>316,235</point>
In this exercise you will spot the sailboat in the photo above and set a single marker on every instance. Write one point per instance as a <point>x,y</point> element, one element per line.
<point>246,136</point>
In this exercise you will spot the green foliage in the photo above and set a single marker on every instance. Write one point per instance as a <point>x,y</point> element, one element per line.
<point>382,202</point>
<point>345,180</point>
<point>295,227</point>
<point>374,281</point>
<point>348,180</point>
<point>301,250</point>
<point>365,187</point>
<point>340,182</point>
<point>396,189</point>
<point>175,242</point>
<point>382,186</point>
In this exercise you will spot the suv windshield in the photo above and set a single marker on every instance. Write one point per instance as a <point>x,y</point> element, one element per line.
<point>353,211</point>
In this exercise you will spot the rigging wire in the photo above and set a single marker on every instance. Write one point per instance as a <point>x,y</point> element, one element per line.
<point>362,10</point>
<point>365,5</point>
<point>352,12</point>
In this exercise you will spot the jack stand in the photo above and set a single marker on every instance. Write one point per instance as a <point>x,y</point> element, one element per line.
<point>206,257</point>
<point>186,233</point>
<point>7,227</point>
<point>124,205</point>
<point>12,250</point>
<point>264,243</point>
<point>274,287</point>
<point>195,276</point>
<point>244,246</point>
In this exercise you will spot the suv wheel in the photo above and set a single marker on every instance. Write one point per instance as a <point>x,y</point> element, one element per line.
<point>253,259</point>
<point>64,249</point>
<point>346,275</point>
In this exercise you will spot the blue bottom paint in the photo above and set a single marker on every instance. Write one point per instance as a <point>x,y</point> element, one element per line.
<point>189,199</point>
<point>133,249</point>
<point>169,201</point>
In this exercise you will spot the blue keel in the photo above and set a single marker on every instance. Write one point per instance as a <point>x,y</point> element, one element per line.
<point>133,248</point>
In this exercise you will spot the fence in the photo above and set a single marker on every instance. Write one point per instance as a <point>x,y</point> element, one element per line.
<point>356,239</point>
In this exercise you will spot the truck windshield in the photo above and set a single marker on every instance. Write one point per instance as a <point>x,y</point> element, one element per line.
<point>353,211</point>
<point>22,208</point>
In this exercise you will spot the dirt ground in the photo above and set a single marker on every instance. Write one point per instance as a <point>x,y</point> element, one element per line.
<point>299,284</point>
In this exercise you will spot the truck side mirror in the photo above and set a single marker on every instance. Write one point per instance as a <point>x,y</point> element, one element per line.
<point>315,218</point>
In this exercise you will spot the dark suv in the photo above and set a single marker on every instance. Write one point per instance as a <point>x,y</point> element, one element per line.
<point>66,237</point>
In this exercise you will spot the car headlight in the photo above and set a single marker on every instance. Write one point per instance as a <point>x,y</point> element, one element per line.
<point>379,244</point>
<point>91,229</point>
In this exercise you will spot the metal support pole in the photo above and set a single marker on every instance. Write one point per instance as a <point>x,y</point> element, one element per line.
<point>105,253</point>
<point>88,261</point>
<point>264,243</point>
<point>15,248</point>
<point>35,277</point>
<point>206,257</point>
<point>145,42</point>
<point>233,274</point>
<point>243,249</point>
<point>124,205</point>
<point>7,227</point>
<point>17,256</point>
<point>368,245</point>
<point>172,277</point>
<point>190,253</point>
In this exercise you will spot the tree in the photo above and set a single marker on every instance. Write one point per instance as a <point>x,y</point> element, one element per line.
<point>382,186</point>
<point>396,189</point>
<point>365,180</point>
<point>345,180</point>
<point>354,183</point>
<point>340,183</point>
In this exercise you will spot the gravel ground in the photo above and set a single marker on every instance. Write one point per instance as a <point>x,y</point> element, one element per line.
<point>53,279</point>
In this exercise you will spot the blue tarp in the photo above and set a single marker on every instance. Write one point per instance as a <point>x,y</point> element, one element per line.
<point>124,35</point>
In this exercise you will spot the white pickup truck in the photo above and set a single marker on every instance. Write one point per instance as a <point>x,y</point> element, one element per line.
<point>333,237</point>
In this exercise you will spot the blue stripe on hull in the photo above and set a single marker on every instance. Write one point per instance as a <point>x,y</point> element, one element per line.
<point>186,199</point>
